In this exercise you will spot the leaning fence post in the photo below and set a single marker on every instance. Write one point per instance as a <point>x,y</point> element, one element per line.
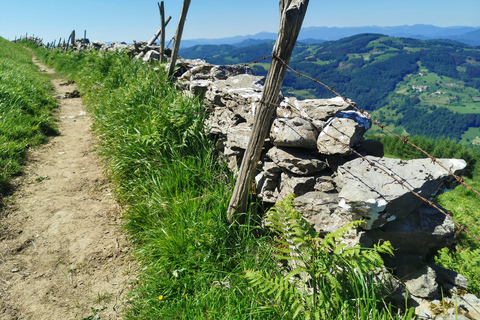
<point>292,13</point>
<point>162,28</point>
<point>178,37</point>
<point>155,36</point>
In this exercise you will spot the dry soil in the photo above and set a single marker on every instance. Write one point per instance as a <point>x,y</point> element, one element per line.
<point>62,252</point>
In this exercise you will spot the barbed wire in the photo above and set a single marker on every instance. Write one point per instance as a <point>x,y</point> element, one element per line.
<point>461,228</point>
<point>383,127</point>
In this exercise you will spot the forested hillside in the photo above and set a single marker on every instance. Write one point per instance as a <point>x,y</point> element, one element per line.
<point>420,87</point>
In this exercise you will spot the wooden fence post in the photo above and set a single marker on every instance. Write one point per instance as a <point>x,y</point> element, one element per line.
<point>178,37</point>
<point>292,13</point>
<point>155,36</point>
<point>162,34</point>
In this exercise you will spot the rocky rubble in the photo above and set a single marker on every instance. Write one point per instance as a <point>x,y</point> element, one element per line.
<point>309,153</point>
<point>138,50</point>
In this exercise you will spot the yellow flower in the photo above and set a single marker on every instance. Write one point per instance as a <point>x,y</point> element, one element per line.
<point>160,297</point>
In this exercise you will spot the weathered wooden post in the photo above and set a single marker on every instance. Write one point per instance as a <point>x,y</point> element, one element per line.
<point>292,13</point>
<point>162,28</point>
<point>155,36</point>
<point>178,37</point>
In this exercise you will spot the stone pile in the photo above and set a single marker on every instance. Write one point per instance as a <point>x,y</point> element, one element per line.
<point>332,185</point>
<point>138,50</point>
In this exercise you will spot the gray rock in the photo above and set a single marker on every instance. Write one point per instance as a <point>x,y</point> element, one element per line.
<point>238,136</point>
<point>199,87</point>
<point>342,132</point>
<point>319,208</point>
<point>450,277</point>
<point>291,183</point>
<point>98,45</point>
<point>119,46</point>
<point>200,69</point>
<point>471,304</point>
<point>370,193</point>
<point>296,132</point>
<point>372,147</point>
<point>267,186</point>
<point>425,225</point>
<point>422,284</point>
<point>321,109</point>
<point>223,72</point>
<point>245,86</point>
<point>220,121</point>
<point>296,160</point>
<point>452,317</point>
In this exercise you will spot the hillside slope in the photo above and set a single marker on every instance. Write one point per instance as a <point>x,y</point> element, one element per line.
<point>401,77</point>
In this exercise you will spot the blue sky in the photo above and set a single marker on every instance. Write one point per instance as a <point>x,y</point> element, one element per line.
<point>122,20</point>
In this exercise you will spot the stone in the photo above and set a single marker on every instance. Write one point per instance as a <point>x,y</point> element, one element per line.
<point>223,72</point>
<point>368,192</point>
<point>422,284</point>
<point>342,132</point>
<point>321,109</point>
<point>425,225</point>
<point>296,132</point>
<point>452,317</point>
<point>319,208</point>
<point>199,87</point>
<point>119,46</point>
<point>471,304</point>
<point>245,86</point>
<point>98,44</point>
<point>238,136</point>
<point>296,160</point>
<point>291,183</point>
<point>151,56</point>
<point>450,277</point>
<point>196,70</point>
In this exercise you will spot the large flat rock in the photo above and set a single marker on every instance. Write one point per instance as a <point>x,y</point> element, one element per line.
<point>370,193</point>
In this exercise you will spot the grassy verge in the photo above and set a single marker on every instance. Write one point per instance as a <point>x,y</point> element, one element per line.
<point>26,106</point>
<point>176,190</point>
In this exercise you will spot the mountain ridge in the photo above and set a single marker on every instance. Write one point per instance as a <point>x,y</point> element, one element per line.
<point>465,34</point>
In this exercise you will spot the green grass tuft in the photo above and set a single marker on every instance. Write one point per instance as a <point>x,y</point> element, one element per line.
<point>26,106</point>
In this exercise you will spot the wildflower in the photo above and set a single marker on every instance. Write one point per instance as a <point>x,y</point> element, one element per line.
<point>160,297</point>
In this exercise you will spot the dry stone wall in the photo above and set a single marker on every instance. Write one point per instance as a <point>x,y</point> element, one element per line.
<point>332,185</point>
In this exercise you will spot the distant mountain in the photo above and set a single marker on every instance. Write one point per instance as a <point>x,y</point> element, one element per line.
<point>468,35</point>
<point>472,38</point>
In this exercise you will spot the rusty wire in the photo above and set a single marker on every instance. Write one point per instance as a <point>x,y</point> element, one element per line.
<point>400,182</point>
<point>405,140</point>
<point>383,127</point>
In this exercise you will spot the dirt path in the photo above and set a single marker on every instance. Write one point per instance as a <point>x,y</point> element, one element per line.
<point>62,253</point>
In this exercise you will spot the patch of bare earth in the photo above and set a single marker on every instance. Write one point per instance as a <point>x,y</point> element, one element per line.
<point>62,252</point>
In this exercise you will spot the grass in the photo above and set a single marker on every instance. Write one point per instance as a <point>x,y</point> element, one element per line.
<point>175,190</point>
<point>26,107</point>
